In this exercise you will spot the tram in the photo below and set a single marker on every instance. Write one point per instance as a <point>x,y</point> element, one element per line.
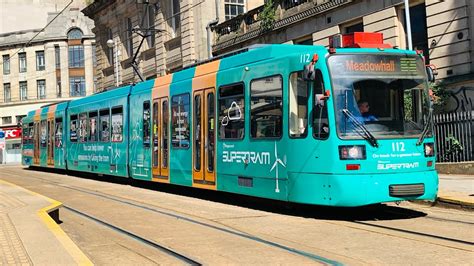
<point>274,121</point>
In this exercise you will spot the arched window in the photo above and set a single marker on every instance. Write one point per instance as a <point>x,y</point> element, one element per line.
<point>74,34</point>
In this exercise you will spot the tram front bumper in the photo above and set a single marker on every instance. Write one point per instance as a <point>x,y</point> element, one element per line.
<point>361,189</point>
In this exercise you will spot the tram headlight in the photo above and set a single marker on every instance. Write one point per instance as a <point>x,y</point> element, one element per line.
<point>352,152</point>
<point>429,149</point>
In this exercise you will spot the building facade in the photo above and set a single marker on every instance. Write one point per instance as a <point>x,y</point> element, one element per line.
<point>39,67</point>
<point>175,29</point>
<point>443,29</point>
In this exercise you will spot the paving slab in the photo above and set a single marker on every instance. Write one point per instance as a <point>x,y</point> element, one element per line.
<point>28,235</point>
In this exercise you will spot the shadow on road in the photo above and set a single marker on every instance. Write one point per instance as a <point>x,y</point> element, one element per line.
<point>365,213</point>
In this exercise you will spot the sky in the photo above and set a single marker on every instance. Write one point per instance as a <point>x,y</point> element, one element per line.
<point>16,15</point>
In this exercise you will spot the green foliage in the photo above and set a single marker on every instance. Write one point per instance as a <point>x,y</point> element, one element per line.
<point>267,16</point>
<point>440,96</point>
<point>454,148</point>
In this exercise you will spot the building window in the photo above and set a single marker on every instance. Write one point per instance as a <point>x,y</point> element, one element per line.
<point>94,55</point>
<point>231,112</point>
<point>74,34</point>
<point>23,91</point>
<point>41,85</point>
<point>233,8</point>
<point>59,92</point>
<point>19,118</point>
<point>308,41</point>
<point>266,107</point>
<point>129,37</point>
<point>77,86</point>
<point>57,56</point>
<point>150,25</point>
<point>7,93</point>
<point>40,62</point>
<point>359,27</point>
<point>6,64</point>
<point>175,18</point>
<point>419,34</point>
<point>22,62</point>
<point>76,56</point>
<point>6,120</point>
<point>110,50</point>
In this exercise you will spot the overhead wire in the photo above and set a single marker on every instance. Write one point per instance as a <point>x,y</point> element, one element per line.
<point>36,35</point>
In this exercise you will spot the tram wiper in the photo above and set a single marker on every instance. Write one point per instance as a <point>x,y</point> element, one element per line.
<point>425,131</point>
<point>365,132</point>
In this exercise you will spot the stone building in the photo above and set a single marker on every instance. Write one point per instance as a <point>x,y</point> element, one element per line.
<point>42,66</point>
<point>443,29</point>
<point>175,29</point>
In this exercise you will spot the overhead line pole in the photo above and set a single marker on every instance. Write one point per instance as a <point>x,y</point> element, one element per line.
<point>408,23</point>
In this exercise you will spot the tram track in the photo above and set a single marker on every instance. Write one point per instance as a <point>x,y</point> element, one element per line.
<point>154,209</point>
<point>240,233</point>
<point>186,259</point>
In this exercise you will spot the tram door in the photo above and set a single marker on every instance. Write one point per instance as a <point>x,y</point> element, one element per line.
<point>51,141</point>
<point>204,148</point>
<point>160,150</point>
<point>36,138</point>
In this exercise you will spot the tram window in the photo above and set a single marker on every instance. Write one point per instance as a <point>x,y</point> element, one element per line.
<point>25,134</point>
<point>117,124</point>
<point>266,107</point>
<point>197,132</point>
<point>320,112</point>
<point>92,128</point>
<point>164,132</point>
<point>298,104</point>
<point>73,128</point>
<point>180,121</point>
<point>104,120</point>
<point>58,132</point>
<point>83,127</point>
<point>146,124</point>
<point>31,126</point>
<point>155,134</point>
<point>43,133</point>
<point>231,112</point>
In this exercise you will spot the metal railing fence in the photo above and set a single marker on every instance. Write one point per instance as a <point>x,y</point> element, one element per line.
<point>454,136</point>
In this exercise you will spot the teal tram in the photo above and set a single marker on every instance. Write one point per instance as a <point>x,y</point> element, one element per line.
<point>283,122</point>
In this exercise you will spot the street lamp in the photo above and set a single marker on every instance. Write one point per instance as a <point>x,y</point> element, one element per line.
<point>113,45</point>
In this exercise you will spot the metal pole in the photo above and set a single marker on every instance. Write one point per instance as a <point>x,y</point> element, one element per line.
<point>407,21</point>
<point>116,64</point>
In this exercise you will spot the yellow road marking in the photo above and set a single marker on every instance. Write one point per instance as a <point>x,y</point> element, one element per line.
<point>63,238</point>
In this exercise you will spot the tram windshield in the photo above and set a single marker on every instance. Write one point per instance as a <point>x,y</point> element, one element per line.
<point>380,96</point>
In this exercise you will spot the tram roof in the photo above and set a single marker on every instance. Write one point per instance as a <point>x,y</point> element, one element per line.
<point>102,96</point>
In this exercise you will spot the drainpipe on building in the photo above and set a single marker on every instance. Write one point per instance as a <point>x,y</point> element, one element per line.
<point>408,22</point>
<point>209,26</point>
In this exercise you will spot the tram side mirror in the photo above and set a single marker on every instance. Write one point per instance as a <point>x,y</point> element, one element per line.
<point>431,72</point>
<point>320,99</point>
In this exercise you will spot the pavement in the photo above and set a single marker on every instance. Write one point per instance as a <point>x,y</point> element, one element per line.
<point>456,190</point>
<point>29,234</point>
